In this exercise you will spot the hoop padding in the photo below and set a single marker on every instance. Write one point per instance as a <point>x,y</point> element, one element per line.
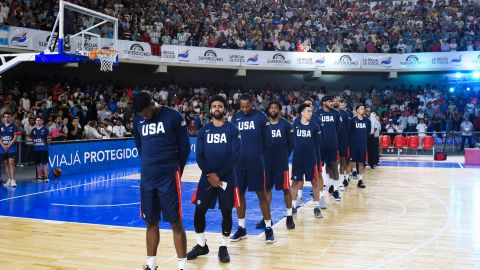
<point>106,56</point>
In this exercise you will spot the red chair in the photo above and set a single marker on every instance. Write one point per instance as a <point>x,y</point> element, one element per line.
<point>413,142</point>
<point>385,141</point>
<point>398,141</point>
<point>428,142</point>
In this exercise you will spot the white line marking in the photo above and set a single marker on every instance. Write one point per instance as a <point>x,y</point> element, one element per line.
<point>93,205</point>
<point>460,164</point>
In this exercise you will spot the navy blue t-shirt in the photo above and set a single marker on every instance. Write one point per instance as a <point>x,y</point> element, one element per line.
<point>40,138</point>
<point>306,138</point>
<point>256,138</point>
<point>218,149</point>
<point>344,126</point>
<point>330,122</point>
<point>276,157</point>
<point>359,131</point>
<point>8,133</point>
<point>162,143</point>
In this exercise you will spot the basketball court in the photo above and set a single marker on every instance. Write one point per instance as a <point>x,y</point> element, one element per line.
<point>412,215</point>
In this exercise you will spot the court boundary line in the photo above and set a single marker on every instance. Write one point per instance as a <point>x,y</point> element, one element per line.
<point>93,205</point>
<point>461,166</point>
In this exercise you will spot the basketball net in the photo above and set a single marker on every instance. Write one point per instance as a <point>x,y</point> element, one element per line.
<point>106,56</point>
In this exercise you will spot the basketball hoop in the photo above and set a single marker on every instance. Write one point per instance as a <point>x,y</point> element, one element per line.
<point>106,56</point>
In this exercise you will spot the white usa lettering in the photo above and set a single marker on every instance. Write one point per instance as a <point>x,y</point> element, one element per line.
<point>217,138</point>
<point>276,133</point>
<point>327,118</point>
<point>153,128</point>
<point>303,133</point>
<point>360,125</point>
<point>247,125</point>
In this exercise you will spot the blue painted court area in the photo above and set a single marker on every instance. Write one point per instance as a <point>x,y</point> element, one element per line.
<point>109,198</point>
<point>422,164</point>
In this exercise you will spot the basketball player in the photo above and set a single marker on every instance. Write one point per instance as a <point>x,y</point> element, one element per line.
<point>41,138</point>
<point>9,133</point>
<point>330,119</point>
<point>359,131</point>
<point>304,163</point>
<point>250,170</point>
<point>276,159</point>
<point>323,201</point>
<point>162,141</point>
<point>343,140</point>
<point>218,150</point>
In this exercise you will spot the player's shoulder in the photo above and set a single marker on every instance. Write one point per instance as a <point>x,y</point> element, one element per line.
<point>203,129</point>
<point>230,126</point>
<point>171,111</point>
<point>261,114</point>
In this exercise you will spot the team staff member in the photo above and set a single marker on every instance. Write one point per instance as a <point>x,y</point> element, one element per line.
<point>9,133</point>
<point>218,150</point>
<point>162,141</point>
<point>359,132</point>
<point>41,138</point>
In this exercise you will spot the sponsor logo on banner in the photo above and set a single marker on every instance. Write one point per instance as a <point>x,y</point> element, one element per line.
<point>89,43</point>
<point>346,60</point>
<point>304,61</point>
<point>236,58</point>
<point>253,60</point>
<point>210,56</point>
<point>136,50</point>
<point>456,61</point>
<point>440,60</point>
<point>168,54</point>
<point>4,32</point>
<point>385,62</point>
<point>412,60</point>
<point>184,56</point>
<point>320,62</point>
<point>476,60</point>
<point>42,44</point>
<point>19,40</point>
<point>278,58</point>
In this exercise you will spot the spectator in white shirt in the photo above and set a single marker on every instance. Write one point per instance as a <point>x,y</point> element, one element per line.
<point>91,132</point>
<point>466,128</point>
<point>119,130</point>
<point>412,123</point>
<point>421,129</point>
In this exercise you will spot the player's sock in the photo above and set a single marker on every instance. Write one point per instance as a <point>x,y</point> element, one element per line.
<point>322,193</point>
<point>201,239</point>
<point>289,212</point>
<point>268,223</point>
<point>300,194</point>
<point>181,263</point>
<point>294,203</point>
<point>317,203</point>
<point>342,177</point>
<point>326,182</point>
<point>241,223</point>
<point>152,262</point>
<point>224,241</point>
<point>360,177</point>
<point>336,185</point>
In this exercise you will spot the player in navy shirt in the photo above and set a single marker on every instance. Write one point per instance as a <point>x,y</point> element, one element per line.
<point>359,131</point>
<point>276,159</point>
<point>323,202</point>
<point>256,138</point>
<point>343,141</point>
<point>162,141</point>
<point>218,151</point>
<point>304,163</point>
<point>41,138</point>
<point>9,133</point>
<point>330,120</point>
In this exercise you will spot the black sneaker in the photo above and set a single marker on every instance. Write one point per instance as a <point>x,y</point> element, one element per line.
<point>336,195</point>
<point>317,212</point>
<point>345,182</point>
<point>146,267</point>
<point>260,224</point>
<point>354,174</point>
<point>197,251</point>
<point>294,210</point>
<point>361,184</point>
<point>269,237</point>
<point>290,223</point>
<point>240,234</point>
<point>223,254</point>
<point>330,189</point>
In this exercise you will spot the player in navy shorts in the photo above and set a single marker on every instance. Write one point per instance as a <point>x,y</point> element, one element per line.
<point>323,200</point>
<point>9,132</point>
<point>276,159</point>
<point>340,105</point>
<point>304,163</point>
<point>330,120</point>
<point>162,141</point>
<point>41,138</point>
<point>256,138</point>
<point>359,131</point>
<point>217,151</point>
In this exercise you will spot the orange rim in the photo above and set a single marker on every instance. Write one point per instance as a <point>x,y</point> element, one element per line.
<point>94,53</point>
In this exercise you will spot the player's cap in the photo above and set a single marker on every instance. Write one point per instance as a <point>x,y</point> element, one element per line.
<point>141,101</point>
<point>326,98</point>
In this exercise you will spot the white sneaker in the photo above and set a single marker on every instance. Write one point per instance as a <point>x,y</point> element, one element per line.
<point>46,180</point>
<point>323,202</point>
<point>341,188</point>
<point>8,183</point>
<point>13,183</point>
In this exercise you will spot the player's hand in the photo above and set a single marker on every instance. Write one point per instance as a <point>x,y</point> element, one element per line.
<point>214,180</point>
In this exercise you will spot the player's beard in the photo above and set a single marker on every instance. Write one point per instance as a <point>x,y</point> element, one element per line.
<point>218,115</point>
<point>274,115</point>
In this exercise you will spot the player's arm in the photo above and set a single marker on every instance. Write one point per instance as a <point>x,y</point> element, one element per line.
<point>183,143</point>
<point>235,150</point>
<point>200,153</point>
<point>347,125</point>
<point>337,123</point>
<point>16,133</point>
<point>266,132</point>
<point>290,140</point>
<point>136,137</point>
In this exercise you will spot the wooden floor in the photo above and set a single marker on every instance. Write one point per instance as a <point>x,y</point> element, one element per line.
<point>407,218</point>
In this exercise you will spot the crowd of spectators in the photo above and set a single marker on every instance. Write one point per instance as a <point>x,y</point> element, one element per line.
<point>296,25</point>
